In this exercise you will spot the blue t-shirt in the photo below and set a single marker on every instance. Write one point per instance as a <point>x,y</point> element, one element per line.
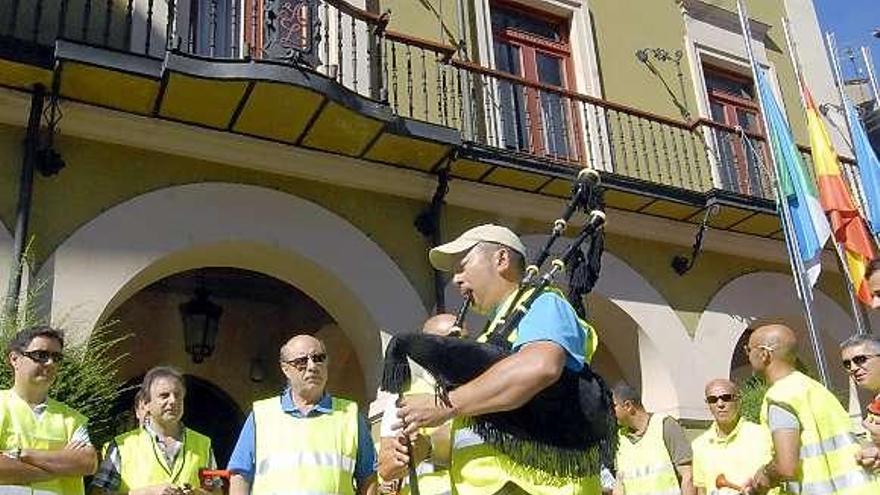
<point>243,457</point>
<point>551,318</point>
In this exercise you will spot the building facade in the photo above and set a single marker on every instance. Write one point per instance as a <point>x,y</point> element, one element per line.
<point>278,154</point>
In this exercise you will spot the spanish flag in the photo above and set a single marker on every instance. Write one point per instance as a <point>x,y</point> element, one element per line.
<point>847,224</point>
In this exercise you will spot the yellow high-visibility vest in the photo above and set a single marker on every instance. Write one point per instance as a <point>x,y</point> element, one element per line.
<point>828,443</point>
<point>737,456</point>
<point>142,463</point>
<point>645,467</point>
<point>19,428</point>
<point>479,469</point>
<point>315,454</point>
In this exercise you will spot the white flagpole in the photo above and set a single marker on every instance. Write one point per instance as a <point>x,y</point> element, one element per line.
<point>872,76</point>
<point>831,43</point>
<point>804,291</point>
<point>861,327</point>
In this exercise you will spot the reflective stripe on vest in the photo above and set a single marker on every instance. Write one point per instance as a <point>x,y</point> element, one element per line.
<point>143,464</point>
<point>290,460</point>
<point>828,445</point>
<point>23,490</point>
<point>850,480</point>
<point>645,471</point>
<point>645,467</point>
<point>466,437</point>
<point>19,428</point>
<point>318,451</point>
<point>827,455</point>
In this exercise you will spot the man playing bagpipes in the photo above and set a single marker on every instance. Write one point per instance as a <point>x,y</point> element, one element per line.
<point>496,428</point>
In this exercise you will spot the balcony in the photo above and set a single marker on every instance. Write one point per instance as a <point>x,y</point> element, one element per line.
<point>327,75</point>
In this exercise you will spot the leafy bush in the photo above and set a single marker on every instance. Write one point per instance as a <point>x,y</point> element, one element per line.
<point>86,381</point>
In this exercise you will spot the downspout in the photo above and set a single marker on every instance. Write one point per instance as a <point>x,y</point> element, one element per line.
<point>25,193</point>
<point>428,224</point>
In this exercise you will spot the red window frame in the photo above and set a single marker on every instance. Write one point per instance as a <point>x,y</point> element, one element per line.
<point>529,45</point>
<point>731,105</point>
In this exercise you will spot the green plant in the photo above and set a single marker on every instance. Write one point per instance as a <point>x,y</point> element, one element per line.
<point>752,392</point>
<point>87,380</point>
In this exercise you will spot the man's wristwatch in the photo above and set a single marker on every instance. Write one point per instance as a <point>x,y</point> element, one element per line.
<point>13,453</point>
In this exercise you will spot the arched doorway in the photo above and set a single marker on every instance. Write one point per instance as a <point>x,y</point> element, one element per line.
<point>259,314</point>
<point>163,232</point>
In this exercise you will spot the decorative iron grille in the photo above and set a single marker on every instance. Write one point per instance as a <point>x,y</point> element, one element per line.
<point>292,31</point>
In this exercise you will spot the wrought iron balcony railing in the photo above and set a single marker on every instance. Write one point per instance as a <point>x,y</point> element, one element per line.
<point>418,79</point>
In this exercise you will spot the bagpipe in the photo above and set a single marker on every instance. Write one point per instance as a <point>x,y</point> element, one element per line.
<point>567,429</point>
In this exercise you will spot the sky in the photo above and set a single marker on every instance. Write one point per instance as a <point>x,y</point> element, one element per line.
<point>853,23</point>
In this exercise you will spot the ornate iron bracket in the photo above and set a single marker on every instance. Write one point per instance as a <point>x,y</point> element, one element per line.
<point>681,263</point>
<point>48,161</point>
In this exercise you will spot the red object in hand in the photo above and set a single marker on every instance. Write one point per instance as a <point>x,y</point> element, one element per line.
<point>874,407</point>
<point>721,482</point>
<point>206,477</point>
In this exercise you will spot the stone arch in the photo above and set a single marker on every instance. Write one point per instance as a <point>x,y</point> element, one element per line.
<point>766,295</point>
<point>178,228</point>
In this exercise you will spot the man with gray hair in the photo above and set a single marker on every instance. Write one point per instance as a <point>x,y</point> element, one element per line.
<point>860,356</point>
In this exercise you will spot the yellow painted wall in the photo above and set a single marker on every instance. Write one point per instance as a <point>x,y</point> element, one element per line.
<point>434,20</point>
<point>99,176</point>
<point>624,26</point>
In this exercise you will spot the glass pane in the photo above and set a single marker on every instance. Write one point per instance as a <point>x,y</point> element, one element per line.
<point>510,19</point>
<point>549,69</point>
<point>511,101</point>
<point>729,85</point>
<point>717,111</point>
<point>554,124</point>
<point>747,120</point>
<point>507,58</point>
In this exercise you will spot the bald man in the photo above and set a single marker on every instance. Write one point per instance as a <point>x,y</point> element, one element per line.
<point>732,446</point>
<point>304,440</point>
<point>814,444</point>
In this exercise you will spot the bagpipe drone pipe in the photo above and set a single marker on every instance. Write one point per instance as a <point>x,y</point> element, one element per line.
<point>567,429</point>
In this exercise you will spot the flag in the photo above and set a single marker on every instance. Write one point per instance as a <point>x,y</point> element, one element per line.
<point>808,222</point>
<point>869,167</point>
<point>846,222</point>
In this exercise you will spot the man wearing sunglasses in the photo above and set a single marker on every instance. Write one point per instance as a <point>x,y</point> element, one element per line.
<point>860,356</point>
<point>304,440</point>
<point>732,446</point>
<point>814,445</point>
<point>45,444</point>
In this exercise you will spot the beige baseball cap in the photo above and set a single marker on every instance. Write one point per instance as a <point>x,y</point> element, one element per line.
<point>445,256</point>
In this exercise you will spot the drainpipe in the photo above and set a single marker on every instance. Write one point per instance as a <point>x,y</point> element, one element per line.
<point>25,190</point>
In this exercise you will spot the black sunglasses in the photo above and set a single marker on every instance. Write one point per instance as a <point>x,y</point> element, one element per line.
<point>711,399</point>
<point>859,360</point>
<point>43,357</point>
<point>301,362</point>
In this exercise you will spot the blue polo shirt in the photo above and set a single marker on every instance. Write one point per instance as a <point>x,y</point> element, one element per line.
<point>243,457</point>
<point>551,318</point>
